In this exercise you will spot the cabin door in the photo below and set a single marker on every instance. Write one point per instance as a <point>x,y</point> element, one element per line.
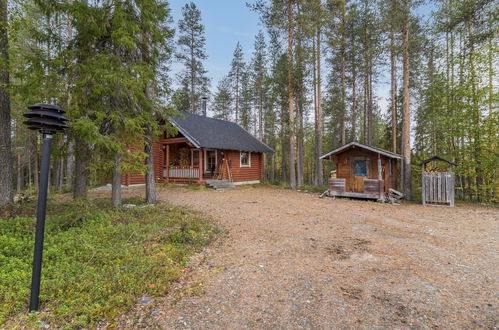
<point>360,171</point>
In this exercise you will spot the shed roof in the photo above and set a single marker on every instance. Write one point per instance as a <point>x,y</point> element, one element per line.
<point>206,132</point>
<point>360,145</point>
<point>426,161</point>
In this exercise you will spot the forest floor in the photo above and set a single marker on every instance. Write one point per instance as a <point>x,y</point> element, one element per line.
<point>288,259</point>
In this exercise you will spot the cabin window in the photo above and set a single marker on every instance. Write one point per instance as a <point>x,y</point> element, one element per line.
<point>390,168</point>
<point>360,168</point>
<point>245,158</point>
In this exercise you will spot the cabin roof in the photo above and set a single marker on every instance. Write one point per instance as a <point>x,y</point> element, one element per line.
<point>206,132</point>
<point>426,161</point>
<point>363,146</point>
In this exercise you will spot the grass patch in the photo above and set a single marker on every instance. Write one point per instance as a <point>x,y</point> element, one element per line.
<point>312,189</point>
<point>97,261</point>
<point>165,186</point>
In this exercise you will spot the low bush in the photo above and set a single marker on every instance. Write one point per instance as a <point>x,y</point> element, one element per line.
<point>97,260</point>
<point>312,188</point>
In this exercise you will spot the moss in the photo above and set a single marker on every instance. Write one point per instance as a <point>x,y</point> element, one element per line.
<point>97,259</point>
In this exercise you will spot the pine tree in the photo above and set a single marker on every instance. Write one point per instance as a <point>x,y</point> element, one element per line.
<point>236,73</point>
<point>291,105</point>
<point>223,99</point>
<point>6,171</point>
<point>191,52</point>
<point>259,77</point>
<point>246,118</point>
<point>406,112</point>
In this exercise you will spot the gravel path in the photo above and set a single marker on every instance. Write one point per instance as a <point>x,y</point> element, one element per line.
<point>292,260</point>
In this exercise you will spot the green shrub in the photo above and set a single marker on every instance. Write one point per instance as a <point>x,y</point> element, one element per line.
<point>312,188</point>
<point>97,259</point>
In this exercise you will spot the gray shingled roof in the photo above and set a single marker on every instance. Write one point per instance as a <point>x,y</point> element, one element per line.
<point>360,145</point>
<point>205,132</point>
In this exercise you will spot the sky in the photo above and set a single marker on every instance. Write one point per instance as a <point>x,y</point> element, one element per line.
<point>226,22</point>
<point>230,21</point>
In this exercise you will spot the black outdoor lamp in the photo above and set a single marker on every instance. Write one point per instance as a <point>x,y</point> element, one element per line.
<point>48,119</point>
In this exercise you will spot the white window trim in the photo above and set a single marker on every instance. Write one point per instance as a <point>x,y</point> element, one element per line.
<point>205,159</point>
<point>249,159</point>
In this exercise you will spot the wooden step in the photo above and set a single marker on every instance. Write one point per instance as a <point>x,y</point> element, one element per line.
<point>220,184</point>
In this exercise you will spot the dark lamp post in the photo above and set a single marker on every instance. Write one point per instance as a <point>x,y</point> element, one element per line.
<point>48,119</point>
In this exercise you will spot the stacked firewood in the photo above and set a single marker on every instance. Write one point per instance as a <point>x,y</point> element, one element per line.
<point>394,196</point>
<point>437,170</point>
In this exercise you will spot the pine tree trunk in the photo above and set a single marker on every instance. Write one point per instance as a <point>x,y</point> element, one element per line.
<point>193,81</point>
<point>237,96</point>
<point>70,164</point>
<point>55,171</point>
<point>81,171</point>
<point>6,168</point>
<point>19,174</point>
<point>299,146</point>
<point>70,141</point>
<point>476,108</point>
<point>319,171</point>
<point>343,133</point>
<point>284,156</point>
<point>260,111</point>
<point>406,113</point>
<point>318,118</point>
<point>354,101</point>
<point>393,90</point>
<point>35,162</point>
<point>366,109</point>
<point>116,182</point>
<point>292,161</point>
<point>370,106</point>
<point>150,183</point>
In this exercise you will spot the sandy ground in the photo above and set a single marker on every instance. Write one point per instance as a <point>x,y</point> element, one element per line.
<point>291,260</point>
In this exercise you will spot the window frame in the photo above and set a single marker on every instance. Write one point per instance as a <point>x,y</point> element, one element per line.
<point>205,160</point>
<point>365,168</point>
<point>192,157</point>
<point>240,159</point>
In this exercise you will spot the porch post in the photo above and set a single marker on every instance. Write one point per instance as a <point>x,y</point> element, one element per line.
<point>379,168</point>
<point>200,165</point>
<point>380,180</point>
<point>167,163</point>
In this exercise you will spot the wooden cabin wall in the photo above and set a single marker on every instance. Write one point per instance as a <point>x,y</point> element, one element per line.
<point>253,173</point>
<point>139,178</point>
<point>344,163</point>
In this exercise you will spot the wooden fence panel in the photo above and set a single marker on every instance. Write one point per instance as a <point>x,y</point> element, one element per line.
<point>438,188</point>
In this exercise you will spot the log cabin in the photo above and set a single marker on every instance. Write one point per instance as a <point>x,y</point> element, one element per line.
<point>203,149</point>
<point>362,171</point>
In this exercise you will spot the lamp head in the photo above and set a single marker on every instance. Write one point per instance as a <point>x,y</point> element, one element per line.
<point>46,118</point>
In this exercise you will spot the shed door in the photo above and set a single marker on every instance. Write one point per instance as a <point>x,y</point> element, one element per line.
<point>360,171</point>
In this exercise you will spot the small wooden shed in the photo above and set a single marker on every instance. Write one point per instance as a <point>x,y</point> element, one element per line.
<point>437,184</point>
<point>362,171</point>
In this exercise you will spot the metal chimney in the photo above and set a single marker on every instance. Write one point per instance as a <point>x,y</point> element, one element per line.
<point>204,98</point>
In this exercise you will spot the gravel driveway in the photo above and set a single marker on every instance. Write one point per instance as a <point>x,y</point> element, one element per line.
<point>291,260</point>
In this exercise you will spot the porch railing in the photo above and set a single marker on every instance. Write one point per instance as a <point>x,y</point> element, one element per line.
<point>181,172</point>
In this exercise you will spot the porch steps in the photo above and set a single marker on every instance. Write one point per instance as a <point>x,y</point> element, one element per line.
<point>220,184</point>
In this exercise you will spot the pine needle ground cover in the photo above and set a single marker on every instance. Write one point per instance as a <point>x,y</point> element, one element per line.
<point>97,260</point>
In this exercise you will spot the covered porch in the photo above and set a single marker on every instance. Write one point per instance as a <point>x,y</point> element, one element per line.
<point>182,162</point>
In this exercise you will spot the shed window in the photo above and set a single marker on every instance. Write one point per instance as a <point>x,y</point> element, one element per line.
<point>245,159</point>
<point>360,168</point>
